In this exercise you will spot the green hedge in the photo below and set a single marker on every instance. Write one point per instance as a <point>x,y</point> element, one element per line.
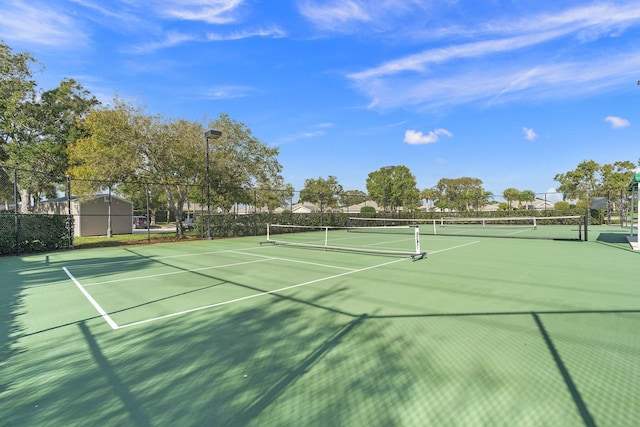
<point>36,233</point>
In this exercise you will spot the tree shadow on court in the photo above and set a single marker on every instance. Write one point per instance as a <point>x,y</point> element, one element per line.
<point>11,308</point>
<point>234,365</point>
<point>294,359</point>
<point>21,277</point>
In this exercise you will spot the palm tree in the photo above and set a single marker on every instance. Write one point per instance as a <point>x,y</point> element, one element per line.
<point>511,194</point>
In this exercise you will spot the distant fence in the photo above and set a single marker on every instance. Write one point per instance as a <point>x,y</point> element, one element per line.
<point>40,212</point>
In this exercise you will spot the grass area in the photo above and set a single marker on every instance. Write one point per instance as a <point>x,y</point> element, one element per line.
<point>130,239</point>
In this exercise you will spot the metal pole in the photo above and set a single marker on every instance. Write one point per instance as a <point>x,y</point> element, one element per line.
<point>148,215</point>
<point>70,225</point>
<point>15,201</point>
<point>208,192</point>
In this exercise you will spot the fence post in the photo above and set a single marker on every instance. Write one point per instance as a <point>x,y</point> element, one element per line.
<point>15,205</point>
<point>70,220</point>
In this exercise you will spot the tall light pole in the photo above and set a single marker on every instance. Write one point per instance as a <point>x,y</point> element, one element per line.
<point>210,134</point>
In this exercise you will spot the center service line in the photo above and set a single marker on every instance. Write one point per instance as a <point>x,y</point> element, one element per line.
<point>93,302</point>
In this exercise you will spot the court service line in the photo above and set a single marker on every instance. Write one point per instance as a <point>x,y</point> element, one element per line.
<point>93,302</point>
<point>269,257</point>
<point>150,258</point>
<point>453,247</point>
<point>191,270</point>
<point>346,273</point>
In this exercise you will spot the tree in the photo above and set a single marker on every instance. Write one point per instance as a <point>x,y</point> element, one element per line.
<point>106,154</point>
<point>429,194</point>
<point>17,89</point>
<point>393,187</point>
<point>274,197</point>
<point>615,177</point>
<point>352,197</point>
<point>461,194</point>
<point>325,192</point>
<point>241,162</point>
<point>511,194</point>
<point>36,127</point>
<point>526,196</point>
<point>579,183</point>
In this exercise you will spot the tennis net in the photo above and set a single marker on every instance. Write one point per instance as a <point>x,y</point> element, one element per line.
<point>570,227</point>
<point>400,240</point>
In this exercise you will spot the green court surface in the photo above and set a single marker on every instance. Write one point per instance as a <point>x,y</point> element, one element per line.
<point>483,331</point>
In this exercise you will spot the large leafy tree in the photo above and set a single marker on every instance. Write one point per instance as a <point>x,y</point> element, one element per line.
<point>393,187</point>
<point>37,126</point>
<point>241,162</point>
<point>17,89</point>
<point>461,194</point>
<point>592,179</point>
<point>123,147</point>
<point>107,154</point>
<point>580,182</point>
<point>275,195</point>
<point>324,192</point>
<point>615,177</point>
<point>352,197</point>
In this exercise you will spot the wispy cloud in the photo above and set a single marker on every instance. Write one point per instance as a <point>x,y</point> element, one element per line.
<point>167,40</point>
<point>316,131</point>
<point>414,137</point>
<point>529,134</point>
<point>228,92</point>
<point>617,122</point>
<point>334,14</point>
<point>517,56</point>
<point>39,24</point>
<point>210,11</point>
<point>272,32</point>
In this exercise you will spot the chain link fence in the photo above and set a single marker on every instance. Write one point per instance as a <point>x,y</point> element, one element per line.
<point>40,212</point>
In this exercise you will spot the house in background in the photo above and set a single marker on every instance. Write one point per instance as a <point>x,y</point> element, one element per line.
<point>91,216</point>
<point>358,207</point>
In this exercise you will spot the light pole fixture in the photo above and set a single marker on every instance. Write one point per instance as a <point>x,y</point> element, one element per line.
<point>210,134</point>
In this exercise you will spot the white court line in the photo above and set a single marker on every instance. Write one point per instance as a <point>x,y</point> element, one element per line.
<point>146,258</point>
<point>261,294</point>
<point>293,260</point>
<point>93,302</point>
<point>174,272</point>
<point>453,247</point>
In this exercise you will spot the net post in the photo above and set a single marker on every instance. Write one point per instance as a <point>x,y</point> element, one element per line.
<point>326,237</point>
<point>268,228</point>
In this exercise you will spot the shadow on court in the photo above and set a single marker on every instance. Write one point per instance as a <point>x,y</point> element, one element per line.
<point>307,358</point>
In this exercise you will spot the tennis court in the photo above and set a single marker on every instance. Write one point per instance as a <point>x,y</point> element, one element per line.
<point>482,331</point>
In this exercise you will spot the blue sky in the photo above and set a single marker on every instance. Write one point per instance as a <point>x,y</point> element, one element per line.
<point>511,92</point>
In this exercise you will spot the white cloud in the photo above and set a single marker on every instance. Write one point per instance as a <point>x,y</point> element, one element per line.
<point>210,11</point>
<point>529,134</point>
<point>228,92</point>
<point>617,122</point>
<point>414,137</point>
<point>335,14</point>
<point>517,56</point>
<point>38,24</point>
<point>318,130</point>
<point>273,32</point>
